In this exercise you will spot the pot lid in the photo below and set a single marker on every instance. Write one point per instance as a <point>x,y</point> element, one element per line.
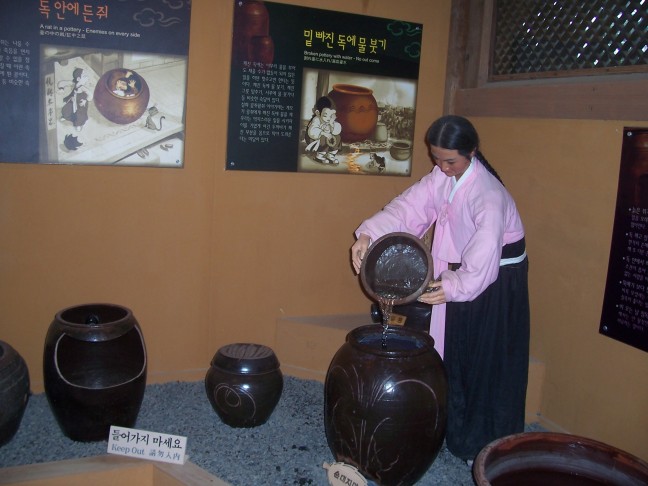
<point>245,358</point>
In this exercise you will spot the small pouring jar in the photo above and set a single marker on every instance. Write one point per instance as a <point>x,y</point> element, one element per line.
<point>397,267</point>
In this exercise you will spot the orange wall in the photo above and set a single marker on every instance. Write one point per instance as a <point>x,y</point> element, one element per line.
<point>205,257</point>
<point>563,175</point>
<point>202,256</point>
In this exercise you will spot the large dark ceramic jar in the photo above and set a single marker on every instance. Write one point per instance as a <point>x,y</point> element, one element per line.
<point>94,367</point>
<point>14,391</point>
<point>244,384</point>
<point>356,110</point>
<point>385,406</point>
<point>548,458</point>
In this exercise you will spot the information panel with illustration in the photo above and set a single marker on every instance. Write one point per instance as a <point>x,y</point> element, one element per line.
<point>94,82</point>
<point>321,91</point>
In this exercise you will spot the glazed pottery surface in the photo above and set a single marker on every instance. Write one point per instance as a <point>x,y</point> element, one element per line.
<point>396,266</point>
<point>14,391</point>
<point>94,367</point>
<point>244,384</point>
<point>554,459</point>
<point>356,110</point>
<point>117,108</point>
<point>385,408</point>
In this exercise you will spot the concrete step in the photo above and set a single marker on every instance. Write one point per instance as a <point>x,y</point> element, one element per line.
<point>306,345</point>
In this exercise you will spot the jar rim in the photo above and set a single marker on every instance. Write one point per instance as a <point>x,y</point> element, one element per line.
<point>399,341</point>
<point>352,89</point>
<point>112,321</point>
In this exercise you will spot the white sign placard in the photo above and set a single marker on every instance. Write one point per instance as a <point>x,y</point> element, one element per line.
<point>144,444</point>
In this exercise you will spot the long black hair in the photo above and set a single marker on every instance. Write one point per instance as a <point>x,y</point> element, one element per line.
<point>453,132</point>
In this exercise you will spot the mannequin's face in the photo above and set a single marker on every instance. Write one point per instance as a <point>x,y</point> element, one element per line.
<point>451,162</point>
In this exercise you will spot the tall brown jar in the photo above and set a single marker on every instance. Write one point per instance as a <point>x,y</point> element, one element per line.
<point>94,365</point>
<point>385,407</point>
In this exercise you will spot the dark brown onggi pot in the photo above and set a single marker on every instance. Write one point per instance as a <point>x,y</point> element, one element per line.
<point>94,366</point>
<point>385,408</point>
<point>121,109</point>
<point>244,383</point>
<point>554,459</point>
<point>14,391</point>
<point>356,110</point>
<point>398,267</point>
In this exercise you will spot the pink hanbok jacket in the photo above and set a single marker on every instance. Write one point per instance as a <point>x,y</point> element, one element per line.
<point>475,217</point>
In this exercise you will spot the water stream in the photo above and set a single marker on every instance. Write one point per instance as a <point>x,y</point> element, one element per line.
<point>386,304</point>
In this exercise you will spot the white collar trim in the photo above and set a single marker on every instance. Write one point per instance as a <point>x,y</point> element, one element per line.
<point>456,184</point>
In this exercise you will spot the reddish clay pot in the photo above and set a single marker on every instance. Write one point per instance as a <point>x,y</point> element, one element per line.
<point>121,108</point>
<point>552,459</point>
<point>14,391</point>
<point>357,111</point>
<point>94,366</point>
<point>385,407</point>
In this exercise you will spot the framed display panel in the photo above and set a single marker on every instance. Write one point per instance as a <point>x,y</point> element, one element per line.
<point>94,83</point>
<point>321,91</point>
<point>625,305</point>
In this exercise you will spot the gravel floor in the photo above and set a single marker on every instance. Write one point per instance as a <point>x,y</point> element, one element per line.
<point>289,449</point>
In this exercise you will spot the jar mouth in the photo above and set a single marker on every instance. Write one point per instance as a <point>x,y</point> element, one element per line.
<point>351,89</point>
<point>95,321</point>
<point>402,145</point>
<point>392,342</point>
<point>93,314</point>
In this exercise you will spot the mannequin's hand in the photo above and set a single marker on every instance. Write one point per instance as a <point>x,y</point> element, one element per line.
<point>434,294</point>
<point>358,251</point>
